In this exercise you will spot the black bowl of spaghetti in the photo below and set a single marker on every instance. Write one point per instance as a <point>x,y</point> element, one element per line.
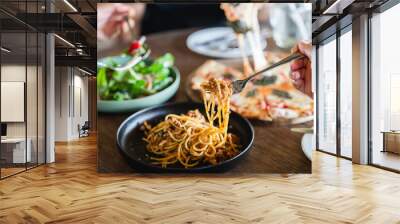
<point>131,139</point>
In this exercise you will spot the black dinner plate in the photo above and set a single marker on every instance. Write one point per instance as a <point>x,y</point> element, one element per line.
<point>133,148</point>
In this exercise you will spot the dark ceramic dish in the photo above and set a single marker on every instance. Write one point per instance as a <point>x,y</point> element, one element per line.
<point>131,145</point>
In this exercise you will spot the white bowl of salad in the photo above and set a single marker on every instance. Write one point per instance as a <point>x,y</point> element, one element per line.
<point>148,83</point>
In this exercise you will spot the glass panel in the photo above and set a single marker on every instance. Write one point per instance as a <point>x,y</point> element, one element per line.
<point>32,88</point>
<point>13,85</point>
<point>41,99</point>
<point>385,84</point>
<point>22,79</point>
<point>31,98</point>
<point>346,94</point>
<point>327,97</point>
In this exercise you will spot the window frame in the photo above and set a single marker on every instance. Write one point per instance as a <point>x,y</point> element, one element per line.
<point>334,37</point>
<point>381,9</point>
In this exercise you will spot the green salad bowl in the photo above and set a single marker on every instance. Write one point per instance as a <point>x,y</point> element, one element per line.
<point>113,106</point>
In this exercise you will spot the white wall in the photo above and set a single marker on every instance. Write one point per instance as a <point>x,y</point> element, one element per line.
<point>70,83</point>
<point>12,73</point>
<point>80,100</point>
<point>34,125</point>
<point>62,81</point>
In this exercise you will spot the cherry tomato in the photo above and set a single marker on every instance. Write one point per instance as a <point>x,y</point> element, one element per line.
<point>134,46</point>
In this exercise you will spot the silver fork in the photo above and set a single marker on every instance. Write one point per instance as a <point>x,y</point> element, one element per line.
<point>132,62</point>
<point>238,85</point>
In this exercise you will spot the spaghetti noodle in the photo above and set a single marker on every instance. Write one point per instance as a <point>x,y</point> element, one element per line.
<point>192,139</point>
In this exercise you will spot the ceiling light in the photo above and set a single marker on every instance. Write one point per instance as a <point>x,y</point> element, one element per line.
<point>79,51</point>
<point>64,40</point>
<point>70,5</point>
<point>84,71</point>
<point>337,7</point>
<point>331,7</point>
<point>5,50</point>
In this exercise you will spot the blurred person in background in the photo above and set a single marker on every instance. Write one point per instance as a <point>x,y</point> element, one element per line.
<point>285,22</point>
<point>115,19</point>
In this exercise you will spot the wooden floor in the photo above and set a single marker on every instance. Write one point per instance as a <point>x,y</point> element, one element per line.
<point>10,171</point>
<point>387,159</point>
<point>71,191</point>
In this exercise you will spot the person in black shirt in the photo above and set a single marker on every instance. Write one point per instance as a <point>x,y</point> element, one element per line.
<point>163,17</point>
<point>151,18</point>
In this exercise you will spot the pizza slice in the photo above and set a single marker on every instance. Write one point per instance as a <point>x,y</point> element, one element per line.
<point>216,70</point>
<point>271,96</point>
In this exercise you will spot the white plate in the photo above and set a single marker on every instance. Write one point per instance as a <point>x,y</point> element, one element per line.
<point>307,145</point>
<point>202,43</point>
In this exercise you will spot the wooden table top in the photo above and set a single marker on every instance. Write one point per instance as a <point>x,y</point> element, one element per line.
<point>276,149</point>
